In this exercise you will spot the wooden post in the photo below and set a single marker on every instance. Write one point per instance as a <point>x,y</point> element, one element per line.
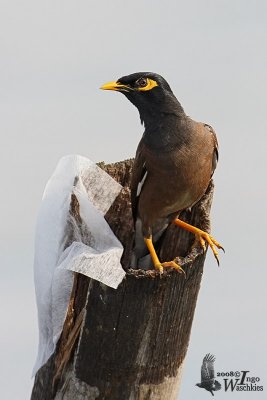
<point>129,343</point>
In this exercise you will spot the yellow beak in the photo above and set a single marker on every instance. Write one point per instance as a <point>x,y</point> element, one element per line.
<point>115,86</point>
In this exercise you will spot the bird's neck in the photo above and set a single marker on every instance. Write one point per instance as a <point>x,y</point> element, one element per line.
<point>158,113</point>
<point>164,129</point>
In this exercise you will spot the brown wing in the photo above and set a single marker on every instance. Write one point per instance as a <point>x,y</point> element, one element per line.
<point>139,175</point>
<point>216,147</point>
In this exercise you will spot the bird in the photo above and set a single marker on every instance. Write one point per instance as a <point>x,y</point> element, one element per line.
<point>207,375</point>
<point>173,166</point>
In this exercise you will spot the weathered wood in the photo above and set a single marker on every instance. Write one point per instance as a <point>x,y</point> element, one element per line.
<point>128,343</point>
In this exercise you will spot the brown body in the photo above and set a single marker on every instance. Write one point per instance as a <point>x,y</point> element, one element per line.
<point>176,179</point>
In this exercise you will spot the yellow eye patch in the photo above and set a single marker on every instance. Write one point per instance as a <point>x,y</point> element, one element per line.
<point>150,85</point>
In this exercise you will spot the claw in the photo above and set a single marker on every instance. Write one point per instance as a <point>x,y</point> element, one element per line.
<point>201,241</point>
<point>202,237</point>
<point>169,264</point>
<point>173,264</point>
<point>157,264</point>
<point>212,243</point>
<point>217,259</point>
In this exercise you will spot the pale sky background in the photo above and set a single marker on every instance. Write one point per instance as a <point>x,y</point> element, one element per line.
<point>54,55</point>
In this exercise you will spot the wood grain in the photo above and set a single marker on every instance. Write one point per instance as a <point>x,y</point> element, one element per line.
<point>132,341</point>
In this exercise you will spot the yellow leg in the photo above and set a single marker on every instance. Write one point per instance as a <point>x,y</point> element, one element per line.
<point>201,236</point>
<point>157,264</point>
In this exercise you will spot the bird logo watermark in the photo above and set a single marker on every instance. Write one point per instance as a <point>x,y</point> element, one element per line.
<point>239,380</point>
<point>208,380</point>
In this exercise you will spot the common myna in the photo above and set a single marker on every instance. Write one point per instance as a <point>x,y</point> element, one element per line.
<point>174,163</point>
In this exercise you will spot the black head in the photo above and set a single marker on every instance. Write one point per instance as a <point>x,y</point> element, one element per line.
<point>149,92</point>
<point>138,83</point>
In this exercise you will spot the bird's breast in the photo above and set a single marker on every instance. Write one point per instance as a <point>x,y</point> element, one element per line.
<point>176,179</point>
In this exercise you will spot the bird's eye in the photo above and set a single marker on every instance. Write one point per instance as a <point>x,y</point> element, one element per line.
<point>141,82</point>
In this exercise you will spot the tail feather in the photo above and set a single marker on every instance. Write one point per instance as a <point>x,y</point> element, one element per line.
<point>217,385</point>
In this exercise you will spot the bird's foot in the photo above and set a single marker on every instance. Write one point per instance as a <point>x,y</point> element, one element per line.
<point>157,264</point>
<point>169,264</point>
<point>203,237</point>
